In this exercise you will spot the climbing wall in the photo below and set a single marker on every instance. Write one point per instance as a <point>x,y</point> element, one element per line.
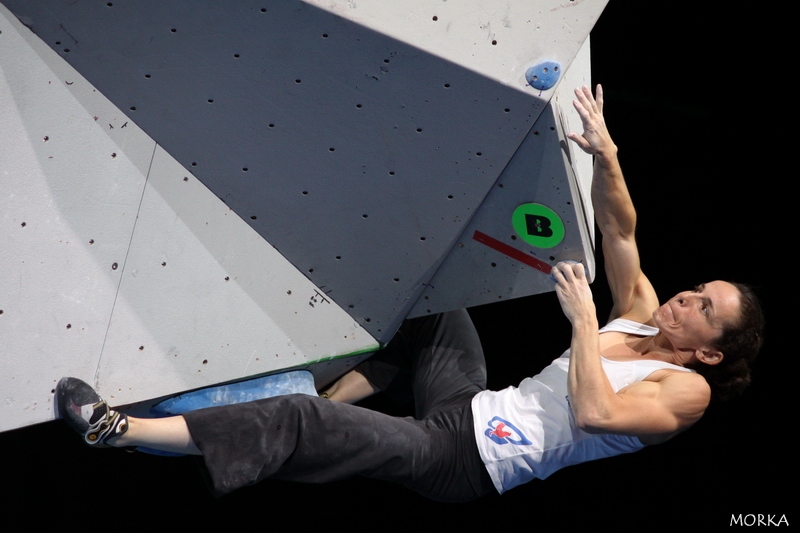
<point>207,191</point>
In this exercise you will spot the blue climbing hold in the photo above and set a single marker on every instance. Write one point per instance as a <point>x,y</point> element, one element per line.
<point>543,75</point>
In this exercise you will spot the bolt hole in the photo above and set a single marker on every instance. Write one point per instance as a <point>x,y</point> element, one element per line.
<point>253,217</point>
<point>435,18</point>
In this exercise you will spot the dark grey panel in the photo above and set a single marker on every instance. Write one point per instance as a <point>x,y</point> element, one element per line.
<point>477,273</point>
<point>358,157</point>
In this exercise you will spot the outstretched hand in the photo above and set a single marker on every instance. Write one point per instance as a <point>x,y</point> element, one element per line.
<point>595,139</point>
<point>572,289</point>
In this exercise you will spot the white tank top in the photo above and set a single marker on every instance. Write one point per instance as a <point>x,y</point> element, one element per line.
<point>529,431</point>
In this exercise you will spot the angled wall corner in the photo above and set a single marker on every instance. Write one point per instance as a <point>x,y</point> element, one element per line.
<point>121,268</point>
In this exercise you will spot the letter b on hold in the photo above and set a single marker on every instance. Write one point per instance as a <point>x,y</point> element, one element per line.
<point>538,225</point>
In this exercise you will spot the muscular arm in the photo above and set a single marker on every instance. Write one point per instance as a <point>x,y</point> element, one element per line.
<point>633,294</point>
<point>653,410</point>
<point>668,401</point>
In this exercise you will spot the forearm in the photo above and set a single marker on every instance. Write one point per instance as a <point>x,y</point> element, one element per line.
<point>614,211</point>
<point>590,393</point>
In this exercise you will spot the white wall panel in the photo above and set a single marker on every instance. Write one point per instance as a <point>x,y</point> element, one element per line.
<point>70,186</point>
<point>499,40</point>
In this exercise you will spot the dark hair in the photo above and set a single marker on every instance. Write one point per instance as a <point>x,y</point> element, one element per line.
<point>739,345</point>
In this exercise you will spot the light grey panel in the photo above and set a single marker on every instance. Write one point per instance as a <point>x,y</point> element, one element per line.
<point>578,75</point>
<point>71,180</point>
<point>499,40</point>
<point>359,157</point>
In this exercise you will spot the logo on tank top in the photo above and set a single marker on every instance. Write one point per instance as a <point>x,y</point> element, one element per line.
<point>504,432</point>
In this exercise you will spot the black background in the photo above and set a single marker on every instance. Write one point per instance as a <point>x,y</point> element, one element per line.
<point>694,172</point>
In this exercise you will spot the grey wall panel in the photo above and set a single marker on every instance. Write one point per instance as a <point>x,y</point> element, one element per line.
<point>486,267</point>
<point>203,299</point>
<point>358,156</point>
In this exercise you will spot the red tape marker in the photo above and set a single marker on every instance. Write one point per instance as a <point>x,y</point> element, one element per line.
<point>511,252</point>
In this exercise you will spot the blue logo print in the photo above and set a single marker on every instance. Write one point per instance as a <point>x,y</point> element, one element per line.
<point>504,432</point>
